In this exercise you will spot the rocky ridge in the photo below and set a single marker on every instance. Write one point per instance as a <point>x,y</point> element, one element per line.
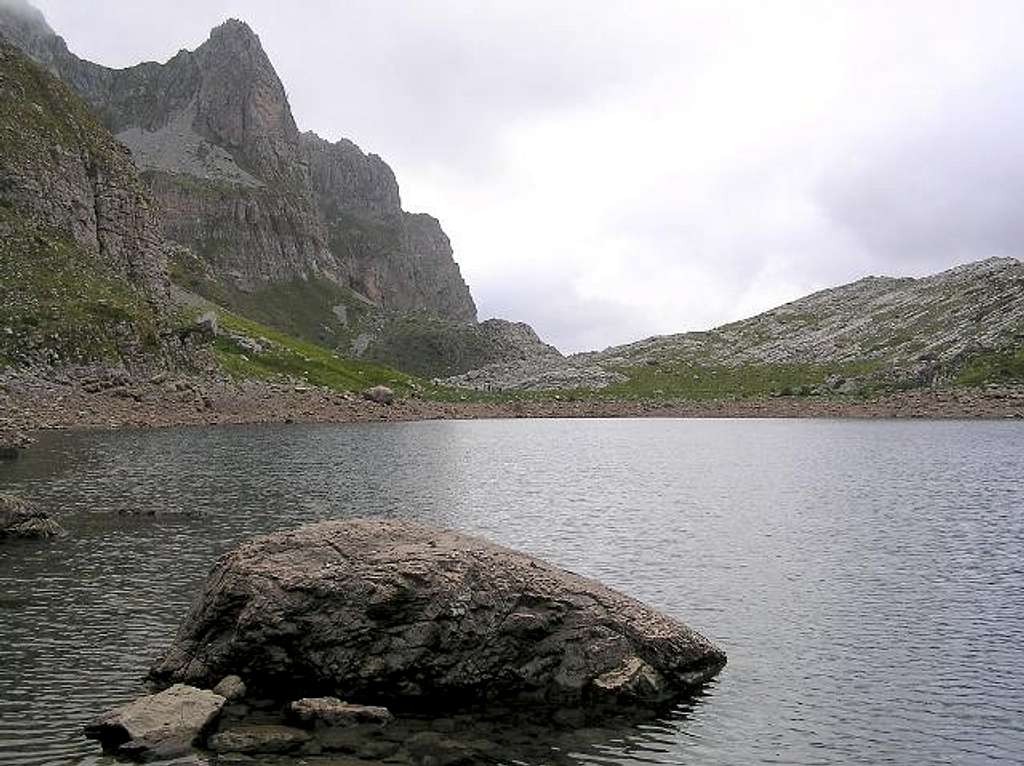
<point>902,331</point>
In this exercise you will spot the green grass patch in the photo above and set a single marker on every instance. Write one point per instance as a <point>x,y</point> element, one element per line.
<point>58,302</point>
<point>284,357</point>
<point>994,367</point>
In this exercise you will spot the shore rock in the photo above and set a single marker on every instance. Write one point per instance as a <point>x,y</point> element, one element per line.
<point>231,688</point>
<point>331,711</point>
<point>380,394</point>
<point>20,519</point>
<point>163,725</point>
<point>395,613</point>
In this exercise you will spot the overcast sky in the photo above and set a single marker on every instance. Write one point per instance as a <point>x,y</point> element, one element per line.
<point>612,170</point>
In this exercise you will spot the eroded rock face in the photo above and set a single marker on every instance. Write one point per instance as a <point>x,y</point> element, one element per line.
<point>396,613</point>
<point>163,725</point>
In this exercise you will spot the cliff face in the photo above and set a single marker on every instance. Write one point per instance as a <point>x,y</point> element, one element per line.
<point>214,133</point>
<point>401,261</point>
<point>82,264</point>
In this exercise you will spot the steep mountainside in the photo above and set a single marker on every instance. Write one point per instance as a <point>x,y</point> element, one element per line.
<point>261,205</point>
<point>82,264</point>
<point>959,324</point>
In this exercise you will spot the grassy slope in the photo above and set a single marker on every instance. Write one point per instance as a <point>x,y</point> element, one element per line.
<point>58,302</point>
<point>284,357</point>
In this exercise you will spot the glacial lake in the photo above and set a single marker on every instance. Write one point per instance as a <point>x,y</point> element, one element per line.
<point>865,578</point>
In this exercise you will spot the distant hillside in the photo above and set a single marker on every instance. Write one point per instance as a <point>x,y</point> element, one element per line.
<point>963,325</point>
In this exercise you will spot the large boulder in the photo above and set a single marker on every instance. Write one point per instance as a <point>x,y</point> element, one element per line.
<point>163,725</point>
<point>21,519</point>
<point>401,614</point>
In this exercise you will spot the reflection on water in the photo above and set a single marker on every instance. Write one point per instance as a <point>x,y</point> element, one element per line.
<point>866,579</point>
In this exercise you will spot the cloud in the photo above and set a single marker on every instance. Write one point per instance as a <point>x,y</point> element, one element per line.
<point>945,189</point>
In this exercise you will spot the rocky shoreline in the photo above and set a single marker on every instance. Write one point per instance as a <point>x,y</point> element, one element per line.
<point>90,398</point>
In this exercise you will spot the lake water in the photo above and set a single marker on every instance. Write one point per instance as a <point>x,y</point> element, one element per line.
<point>865,578</point>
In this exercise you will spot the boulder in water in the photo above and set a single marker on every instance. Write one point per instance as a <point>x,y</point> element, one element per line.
<point>20,519</point>
<point>163,725</point>
<point>331,711</point>
<point>417,618</point>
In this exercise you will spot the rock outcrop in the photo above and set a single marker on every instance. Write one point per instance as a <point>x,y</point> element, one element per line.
<point>83,267</point>
<point>19,519</point>
<point>385,612</point>
<point>438,348</point>
<point>164,725</point>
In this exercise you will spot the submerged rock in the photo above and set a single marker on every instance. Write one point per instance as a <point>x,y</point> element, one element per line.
<point>331,711</point>
<point>266,738</point>
<point>20,519</point>
<point>419,618</point>
<point>163,725</point>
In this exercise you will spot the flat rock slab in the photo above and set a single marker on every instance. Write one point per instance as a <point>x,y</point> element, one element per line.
<point>161,725</point>
<point>331,711</point>
<point>409,616</point>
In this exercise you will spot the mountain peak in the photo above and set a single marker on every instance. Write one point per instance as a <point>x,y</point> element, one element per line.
<point>234,29</point>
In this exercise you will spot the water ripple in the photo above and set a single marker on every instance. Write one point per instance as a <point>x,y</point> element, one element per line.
<point>866,579</point>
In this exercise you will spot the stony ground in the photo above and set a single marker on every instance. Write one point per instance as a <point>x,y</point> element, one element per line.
<point>103,399</point>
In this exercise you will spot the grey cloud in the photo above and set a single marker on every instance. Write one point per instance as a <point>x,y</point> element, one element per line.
<point>946,189</point>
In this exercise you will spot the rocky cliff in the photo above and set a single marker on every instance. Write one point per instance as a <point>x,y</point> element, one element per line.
<point>82,265</point>
<point>214,134</point>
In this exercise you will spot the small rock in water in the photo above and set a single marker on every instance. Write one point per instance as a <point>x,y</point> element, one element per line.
<point>259,738</point>
<point>163,725</point>
<point>231,688</point>
<point>20,519</point>
<point>12,443</point>
<point>331,711</point>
